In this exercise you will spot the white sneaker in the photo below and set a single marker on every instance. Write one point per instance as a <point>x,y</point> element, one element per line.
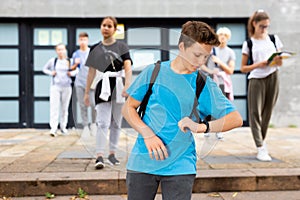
<point>85,132</point>
<point>53,133</point>
<point>220,136</point>
<point>262,154</point>
<point>93,128</point>
<point>64,131</point>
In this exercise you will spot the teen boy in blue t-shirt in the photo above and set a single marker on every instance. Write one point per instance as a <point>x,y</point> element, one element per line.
<point>164,152</point>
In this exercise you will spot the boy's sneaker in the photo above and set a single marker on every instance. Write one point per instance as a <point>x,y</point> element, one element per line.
<point>64,131</point>
<point>99,163</point>
<point>262,154</point>
<point>53,133</point>
<point>112,160</point>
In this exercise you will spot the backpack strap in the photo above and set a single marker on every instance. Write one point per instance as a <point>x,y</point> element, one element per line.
<point>272,38</point>
<point>55,61</point>
<point>215,54</point>
<point>54,65</point>
<point>250,44</point>
<point>200,83</point>
<point>143,105</point>
<point>214,51</point>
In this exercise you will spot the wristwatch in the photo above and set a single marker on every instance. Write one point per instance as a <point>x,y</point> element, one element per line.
<point>207,126</point>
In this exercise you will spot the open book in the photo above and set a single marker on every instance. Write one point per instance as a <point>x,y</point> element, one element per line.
<point>282,54</point>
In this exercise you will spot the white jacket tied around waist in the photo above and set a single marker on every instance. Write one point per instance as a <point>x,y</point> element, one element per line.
<point>105,90</point>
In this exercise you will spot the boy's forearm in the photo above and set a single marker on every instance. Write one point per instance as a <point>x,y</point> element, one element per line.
<point>134,120</point>
<point>226,123</point>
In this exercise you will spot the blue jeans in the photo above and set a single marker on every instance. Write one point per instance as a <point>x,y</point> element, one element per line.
<point>142,186</point>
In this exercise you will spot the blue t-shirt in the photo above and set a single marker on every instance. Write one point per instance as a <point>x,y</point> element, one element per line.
<point>81,77</point>
<point>172,99</point>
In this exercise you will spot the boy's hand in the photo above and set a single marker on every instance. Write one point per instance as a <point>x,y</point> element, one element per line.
<point>156,148</point>
<point>186,123</point>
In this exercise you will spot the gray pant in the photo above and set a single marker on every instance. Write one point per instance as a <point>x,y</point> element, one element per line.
<point>83,108</point>
<point>144,186</point>
<point>262,96</point>
<point>108,116</point>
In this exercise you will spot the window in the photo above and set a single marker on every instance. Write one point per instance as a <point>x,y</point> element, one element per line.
<point>9,67</point>
<point>50,36</point>
<point>95,35</point>
<point>144,36</point>
<point>11,64</point>
<point>9,85</point>
<point>9,34</point>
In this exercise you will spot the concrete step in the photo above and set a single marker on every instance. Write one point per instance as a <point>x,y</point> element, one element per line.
<point>114,183</point>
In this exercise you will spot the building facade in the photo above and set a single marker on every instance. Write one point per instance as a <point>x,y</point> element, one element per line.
<point>29,30</point>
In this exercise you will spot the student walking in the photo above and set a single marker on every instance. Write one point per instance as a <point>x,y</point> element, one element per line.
<point>113,59</point>
<point>221,66</point>
<point>79,58</point>
<point>263,84</point>
<point>60,90</point>
<point>164,152</point>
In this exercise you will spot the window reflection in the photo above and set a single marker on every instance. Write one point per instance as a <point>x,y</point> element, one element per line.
<point>11,64</point>
<point>50,36</point>
<point>41,57</point>
<point>142,58</point>
<point>41,111</point>
<point>9,86</point>
<point>9,34</point>
<point>95,35</point>
<point>9,111</point>
<point>144,36</point>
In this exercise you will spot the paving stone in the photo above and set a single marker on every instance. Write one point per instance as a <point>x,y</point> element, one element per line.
<point>45,162</point>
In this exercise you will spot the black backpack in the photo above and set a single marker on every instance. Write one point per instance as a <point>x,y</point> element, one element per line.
<point>250,44</point>
<point>200,83</point>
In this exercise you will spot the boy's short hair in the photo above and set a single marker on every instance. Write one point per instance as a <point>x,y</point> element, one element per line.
<point>83,34</point>
<point>197,31</point>
<point>224,30</point>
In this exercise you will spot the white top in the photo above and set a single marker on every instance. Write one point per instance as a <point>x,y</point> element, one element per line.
<point>62,67</point>
<point>261,51</point>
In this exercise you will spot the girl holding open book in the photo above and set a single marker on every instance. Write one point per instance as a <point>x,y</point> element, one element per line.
<point>263,84</point>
